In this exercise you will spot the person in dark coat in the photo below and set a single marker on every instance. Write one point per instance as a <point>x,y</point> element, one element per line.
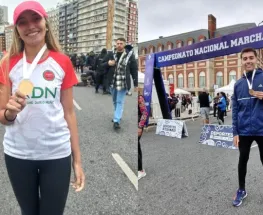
<point>121,65</point>
<point>101,71</point>
<point>90,61</point>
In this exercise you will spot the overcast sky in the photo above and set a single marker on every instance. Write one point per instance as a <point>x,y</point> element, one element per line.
<point>11,4</point>
<point>170,17</point>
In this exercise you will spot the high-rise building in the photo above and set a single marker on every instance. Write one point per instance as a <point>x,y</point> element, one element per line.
<point>100,23</point>
<point>53,17</point>
<point>132,25</point>
<point>132,22</point>
<point>68,14</point>
<point>8,36</point>
<point>2,43</point>
<point>3,14</point>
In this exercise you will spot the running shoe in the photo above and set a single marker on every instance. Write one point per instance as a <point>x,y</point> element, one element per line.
<point>141,174</point>
<point>240,195</point>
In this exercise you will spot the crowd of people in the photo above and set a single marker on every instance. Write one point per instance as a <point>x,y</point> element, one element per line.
<point>179,103</point>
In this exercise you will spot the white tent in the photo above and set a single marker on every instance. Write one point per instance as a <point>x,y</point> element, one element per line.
<point>228,89</point>
<point>179,91</point>
<point>156,110</point>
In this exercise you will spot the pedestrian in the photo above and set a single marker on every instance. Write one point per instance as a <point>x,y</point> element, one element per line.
<point>216,99</point>
<point>178,106</point>
<point>77,63</point>
<point>82,61</point>
<point>121,65</point>
<point>142,118</point>
<point>41,128</point>
<point>221,107</point>
<point>205,100</point>
<point>173,103</point>
<point>100,71</point>
<point>90,60</point>
<point>227,104</point>
<point>247,117</point>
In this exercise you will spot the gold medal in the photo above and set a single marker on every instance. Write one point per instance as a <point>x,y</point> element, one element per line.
<point>26,87</point>
<point>251,92</point>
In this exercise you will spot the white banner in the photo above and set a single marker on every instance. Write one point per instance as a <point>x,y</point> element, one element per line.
<point>171,128</point>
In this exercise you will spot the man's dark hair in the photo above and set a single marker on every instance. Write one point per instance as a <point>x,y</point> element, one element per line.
<point>246,50</point>
<point>121,39</point>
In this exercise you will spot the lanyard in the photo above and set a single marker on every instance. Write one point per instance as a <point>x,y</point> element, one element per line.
<point>250,84</point>
<point>28,73</point>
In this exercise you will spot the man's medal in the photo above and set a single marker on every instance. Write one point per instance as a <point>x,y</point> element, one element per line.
<point>250,85</point>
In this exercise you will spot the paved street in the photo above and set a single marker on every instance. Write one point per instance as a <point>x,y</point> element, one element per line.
<point>186,178</point>
<point>108,189</point>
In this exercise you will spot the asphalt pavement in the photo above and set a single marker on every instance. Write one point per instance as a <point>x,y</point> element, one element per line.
<point>108,190</point>
<point>187,178</point>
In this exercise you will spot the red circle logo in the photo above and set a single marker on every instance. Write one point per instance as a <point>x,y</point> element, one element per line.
<point>49,75</point>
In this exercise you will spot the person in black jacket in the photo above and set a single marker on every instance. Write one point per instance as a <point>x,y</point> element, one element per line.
<point>205,100</point>
<point>121,65</point>
<point>82,60</point>
<point>100,71</point>
<point>90,61</point>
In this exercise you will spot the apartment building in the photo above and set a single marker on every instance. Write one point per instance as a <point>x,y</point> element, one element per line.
<point>2,43</point>
<point>132,22</point>
<point>53,17</point>
<point>8,36</point>
<point>68,14</point>
<point>3,14</point>
<point>100,23</point>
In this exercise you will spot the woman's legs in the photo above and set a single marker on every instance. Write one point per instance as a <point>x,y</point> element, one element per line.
<point>54,181</point>
<point>23,175</point>
<point>221,115</point>
<point>139,155</point>
<point>51,177</point>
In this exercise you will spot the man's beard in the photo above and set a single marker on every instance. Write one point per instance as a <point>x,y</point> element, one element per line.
<point>120,50</point>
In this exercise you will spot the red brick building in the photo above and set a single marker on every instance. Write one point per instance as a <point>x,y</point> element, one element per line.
<point>195,76</point>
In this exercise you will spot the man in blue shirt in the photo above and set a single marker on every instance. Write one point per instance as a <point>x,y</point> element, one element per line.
<point>247,106</point>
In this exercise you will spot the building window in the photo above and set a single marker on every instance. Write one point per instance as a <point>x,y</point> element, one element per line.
<point>160,48</point>
<point>179,45</point>
<point>191,80</point>
<point>169,46</point>
<point>171,79</point>
<point>219,79</point>
<point>190,42</point>
<point>232,75</point>
<point>180,82</point>
<point>202,79</point>
<point>202,39</point>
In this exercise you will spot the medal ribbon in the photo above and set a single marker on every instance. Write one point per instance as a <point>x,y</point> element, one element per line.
<point>250,84</point>
<point>28,73</point>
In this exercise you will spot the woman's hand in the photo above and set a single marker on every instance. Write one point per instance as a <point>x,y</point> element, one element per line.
<point>16,104</point>
<point>79,182</point>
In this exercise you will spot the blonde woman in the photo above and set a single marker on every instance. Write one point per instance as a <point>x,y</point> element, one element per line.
<point>36,107</point>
